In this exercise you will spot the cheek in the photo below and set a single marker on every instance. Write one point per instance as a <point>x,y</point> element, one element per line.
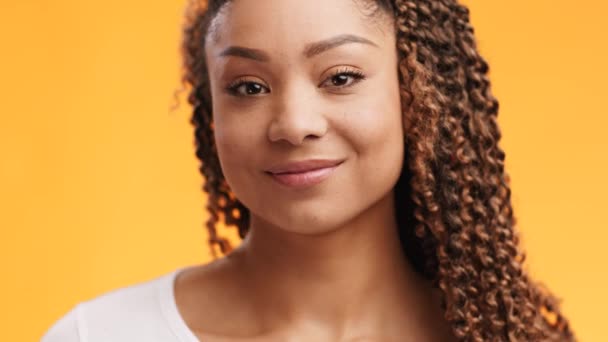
<point>381,145</point>
<point>374,127</point>
<point>234,132</point>
<point>375,134</point>
<point>373,120</point>
<point>234,143</point>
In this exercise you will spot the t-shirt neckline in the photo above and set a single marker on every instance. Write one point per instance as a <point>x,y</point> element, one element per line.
<point>168,304</point>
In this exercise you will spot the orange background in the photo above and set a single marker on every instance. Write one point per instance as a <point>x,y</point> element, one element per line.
<point>99,185</point>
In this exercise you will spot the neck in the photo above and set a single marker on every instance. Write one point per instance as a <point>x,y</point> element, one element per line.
<point>354,277</point>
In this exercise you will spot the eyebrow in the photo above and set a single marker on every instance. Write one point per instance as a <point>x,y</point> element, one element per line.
<point>310,50</point>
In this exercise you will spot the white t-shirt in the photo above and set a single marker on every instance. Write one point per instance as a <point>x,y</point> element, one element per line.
<point>141,312</point>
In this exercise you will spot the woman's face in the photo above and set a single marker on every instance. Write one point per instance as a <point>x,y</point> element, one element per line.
<point>298,80</point>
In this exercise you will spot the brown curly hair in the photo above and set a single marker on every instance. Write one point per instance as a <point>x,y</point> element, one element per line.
<point>453,199</point>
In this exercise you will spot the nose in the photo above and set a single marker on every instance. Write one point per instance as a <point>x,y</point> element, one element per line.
<point>296,118</point>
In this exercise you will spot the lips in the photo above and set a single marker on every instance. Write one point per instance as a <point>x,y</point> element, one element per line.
<point>303,166</point>
<point>303,174</point>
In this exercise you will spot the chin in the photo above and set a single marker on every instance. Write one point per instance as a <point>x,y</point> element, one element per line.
<point>310,221</point>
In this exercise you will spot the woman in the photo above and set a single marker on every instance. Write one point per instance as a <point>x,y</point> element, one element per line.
<point>354,144</point>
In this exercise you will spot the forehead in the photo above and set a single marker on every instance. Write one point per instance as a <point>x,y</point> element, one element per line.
<point>288,23</point>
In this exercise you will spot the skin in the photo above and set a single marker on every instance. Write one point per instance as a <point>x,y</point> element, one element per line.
<point>322,263</point>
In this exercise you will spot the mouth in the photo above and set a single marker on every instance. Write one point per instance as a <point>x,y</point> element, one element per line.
<point>304,174</point>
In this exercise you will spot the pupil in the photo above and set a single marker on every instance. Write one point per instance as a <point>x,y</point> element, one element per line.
<point>253,88</point>
<point>340,80</point>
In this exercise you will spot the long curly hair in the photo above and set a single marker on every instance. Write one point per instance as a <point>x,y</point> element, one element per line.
<point>453,198</point>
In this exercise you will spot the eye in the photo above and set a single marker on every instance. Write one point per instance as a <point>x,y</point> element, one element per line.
<point>244,87</point>
<point>343,78</point>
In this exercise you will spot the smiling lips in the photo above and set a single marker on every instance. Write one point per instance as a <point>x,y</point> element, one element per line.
<point>304,173</point>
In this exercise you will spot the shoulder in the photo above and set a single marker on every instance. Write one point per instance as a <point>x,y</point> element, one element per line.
<point>131,313</point>
<point>66,329</point>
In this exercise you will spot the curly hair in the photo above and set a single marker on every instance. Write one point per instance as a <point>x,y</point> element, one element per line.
<point>453,198</point>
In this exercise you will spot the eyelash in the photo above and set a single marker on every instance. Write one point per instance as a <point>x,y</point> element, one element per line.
<point>356,75</point>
